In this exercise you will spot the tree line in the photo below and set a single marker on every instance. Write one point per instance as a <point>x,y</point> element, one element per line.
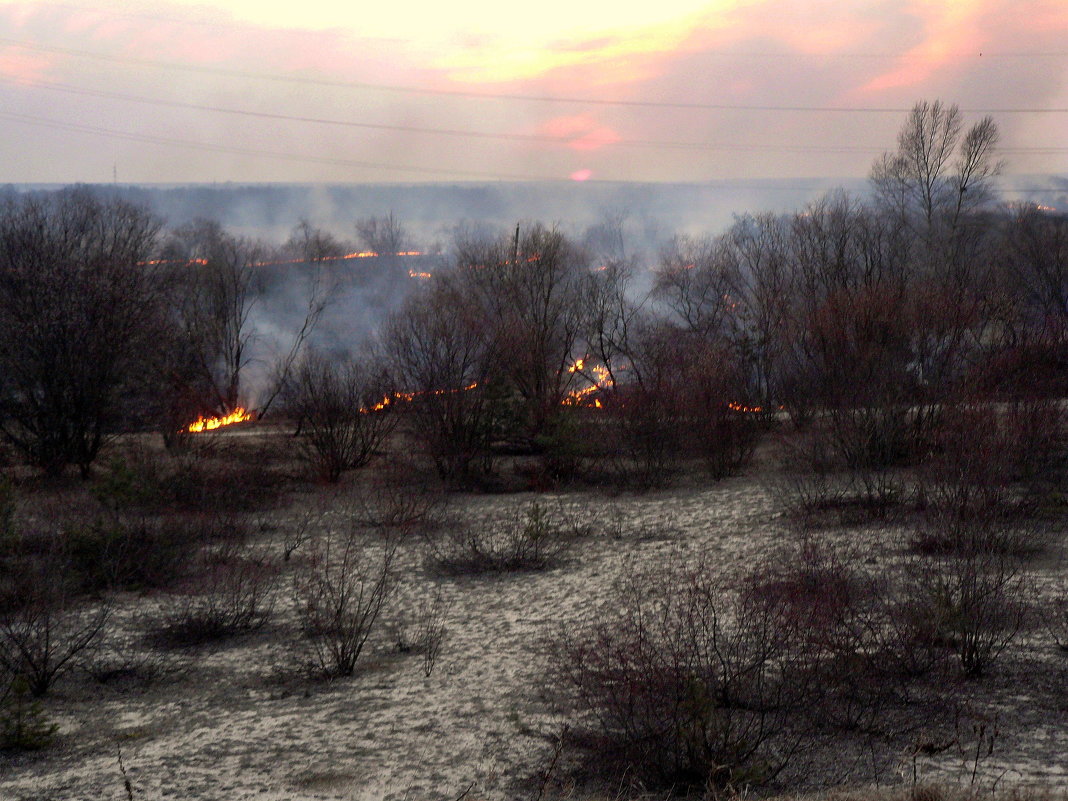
<point>873,314</point>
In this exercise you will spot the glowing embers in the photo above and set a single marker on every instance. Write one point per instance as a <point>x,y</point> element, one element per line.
<point>238,415</point>
<point>741,407</point>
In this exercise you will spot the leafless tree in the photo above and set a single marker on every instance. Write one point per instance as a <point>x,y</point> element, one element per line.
<point>345,413</point>
<point>761,299</point>
<point>383,235</point>
<point>445,356</point>
<point>312,244</point>
<point>939,172</point>
<point>216,292</point>
<point>80,307</point>
<point>695,281</point>
<point>530,289</point>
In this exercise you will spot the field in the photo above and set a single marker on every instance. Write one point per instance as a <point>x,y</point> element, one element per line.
<point>246,717</point>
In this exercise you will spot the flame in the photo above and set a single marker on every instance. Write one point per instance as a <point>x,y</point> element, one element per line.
<point>238,415</point>
<point>741,407</point>
<point>362,254</point>
<point>408,397</point>
<point>600,379</point>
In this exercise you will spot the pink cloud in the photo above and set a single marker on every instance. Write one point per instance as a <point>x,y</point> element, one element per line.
<point>24,65</point>
<point>580,132</point>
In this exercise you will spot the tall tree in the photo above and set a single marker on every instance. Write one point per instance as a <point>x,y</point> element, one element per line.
<point>80,307</point>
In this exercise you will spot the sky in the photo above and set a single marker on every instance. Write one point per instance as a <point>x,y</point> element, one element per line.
<point>179,91</point>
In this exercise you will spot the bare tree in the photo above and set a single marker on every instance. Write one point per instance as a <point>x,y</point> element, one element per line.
<point>344,412</point>
<point>80,307</point>
<point>216,290</point>
<point>939,171</point>
<point>445,355</point>
<point>531,290</point>
<point>384,235</point>
<point>695,280</point>
<point>312,244</point>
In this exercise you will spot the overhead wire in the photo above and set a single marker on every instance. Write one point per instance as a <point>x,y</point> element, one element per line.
<point>509,96</point>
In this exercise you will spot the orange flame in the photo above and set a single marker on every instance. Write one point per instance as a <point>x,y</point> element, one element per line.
<point>599,377</point>
<point>238,415</point>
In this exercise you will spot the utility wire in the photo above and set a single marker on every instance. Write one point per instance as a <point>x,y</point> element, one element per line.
<point>588,101</point>
<point>111,133</point>
<point>171,142</point>
<point>453,132</point>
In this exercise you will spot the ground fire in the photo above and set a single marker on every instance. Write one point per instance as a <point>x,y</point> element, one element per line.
<point>238,415</point>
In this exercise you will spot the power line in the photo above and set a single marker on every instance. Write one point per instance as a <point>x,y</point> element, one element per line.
<point>453,132</point>
<point>503,96</point>
<point>171,142</point>
<point>168,141</point>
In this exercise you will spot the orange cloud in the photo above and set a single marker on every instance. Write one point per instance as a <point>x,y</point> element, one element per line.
<point>949,29</point>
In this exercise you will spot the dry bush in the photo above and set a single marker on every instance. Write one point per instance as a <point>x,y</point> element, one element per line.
<point>425,632</point>
<point>973,604</point>
<point>134,553</point>
<point>157,483</point>
<point>531,538</point>
<point>340,596</point>
<point>833,615</point>
<point>121,661</point>
<point>231,592</point>
<point>44,629</point>
<point>682,686</point>
<point>1056,617</point>
<point>400,497</point>
<point>646,437</point>
<point>976,492</point>
<point>431,625</point>
<point>817,483</point>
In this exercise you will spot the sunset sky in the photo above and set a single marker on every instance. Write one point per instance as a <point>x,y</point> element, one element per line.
<point>243,91</point>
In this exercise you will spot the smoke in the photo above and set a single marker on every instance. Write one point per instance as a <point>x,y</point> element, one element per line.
<point>615,222</point>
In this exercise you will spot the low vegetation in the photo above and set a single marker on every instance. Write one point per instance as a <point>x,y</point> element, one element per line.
<point>891,371</point>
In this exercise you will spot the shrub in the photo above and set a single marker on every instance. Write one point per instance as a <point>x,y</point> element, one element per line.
<point>1056,617</point>
<point>45,632</point>
<point>144,482</point>
<point>341,596</point>
<point>7,512</point>
<point>231,594</point>
<point>977,489</point>
<point>400,497</point>
<point>138,553</point>
<point>684,686</point>
<point>23,723</point>
<point>531,538</point>
<point>818,483</point>
<point>973,604</point>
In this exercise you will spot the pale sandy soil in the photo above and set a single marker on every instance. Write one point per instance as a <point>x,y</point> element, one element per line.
<point>240,722</point>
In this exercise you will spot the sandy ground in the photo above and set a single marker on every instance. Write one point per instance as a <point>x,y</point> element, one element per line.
<point>239,721</point>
